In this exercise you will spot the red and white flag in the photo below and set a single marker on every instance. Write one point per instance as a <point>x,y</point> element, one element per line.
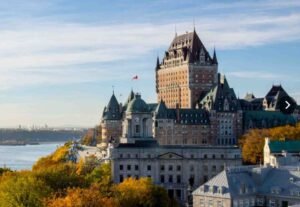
<point>135,77</point>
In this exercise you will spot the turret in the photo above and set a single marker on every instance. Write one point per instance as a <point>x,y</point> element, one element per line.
<point>215,60</point>
<point>112,110</point>
<point>157,64</point>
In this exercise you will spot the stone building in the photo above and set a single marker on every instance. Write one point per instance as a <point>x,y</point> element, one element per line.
<point>281,153</point>
<point>250,186</point>
<point>226,116</point>
<point>181,126</point>
<point>186,73</point>
<point>196,105</point>
<point>175,167</point>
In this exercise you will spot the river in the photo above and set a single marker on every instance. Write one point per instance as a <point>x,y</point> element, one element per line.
<point>24,156</point>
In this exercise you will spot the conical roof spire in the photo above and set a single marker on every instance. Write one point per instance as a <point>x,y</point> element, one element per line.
<point>112,110</point>
<point>215,60</point>
<point>157,64</point>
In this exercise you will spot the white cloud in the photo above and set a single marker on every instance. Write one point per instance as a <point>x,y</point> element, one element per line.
<point>257,75</point>
<point>40,54</point>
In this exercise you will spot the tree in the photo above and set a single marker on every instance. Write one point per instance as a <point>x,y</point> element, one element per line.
<point>22,189</point>
<point>78,197</point>
<point>139,193</point>
<point>252,143</point>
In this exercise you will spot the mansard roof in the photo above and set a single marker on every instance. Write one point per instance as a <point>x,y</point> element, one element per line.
<point>292,146</point>
<point>233,182</point>
<point>221,97</point>
<point>270,118</point>
<point>112,110</point>
<point>182,116</point>
<point>191,46</point>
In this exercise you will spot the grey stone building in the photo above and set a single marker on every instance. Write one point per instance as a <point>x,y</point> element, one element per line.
<point>250,186</point>
<point>175,167</point>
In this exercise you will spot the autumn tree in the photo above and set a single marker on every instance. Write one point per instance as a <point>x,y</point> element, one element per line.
<point>139,193</point>
<point>22,189</point>
<point>252,143</point>
<point>78,197</point>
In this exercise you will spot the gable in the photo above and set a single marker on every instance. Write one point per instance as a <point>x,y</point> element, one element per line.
<point>170,155</point>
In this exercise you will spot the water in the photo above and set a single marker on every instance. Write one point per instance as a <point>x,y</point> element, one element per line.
<point>23,157</point>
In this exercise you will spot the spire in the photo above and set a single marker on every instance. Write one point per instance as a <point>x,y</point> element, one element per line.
<point>194,25</point>
<point>157,64</point>
<point>215,60</point>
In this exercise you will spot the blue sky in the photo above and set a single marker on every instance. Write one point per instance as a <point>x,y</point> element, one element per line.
<point>59,59</point>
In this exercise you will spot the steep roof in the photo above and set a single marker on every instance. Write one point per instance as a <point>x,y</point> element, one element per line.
<point>191,45</point>
<point>292,146</point>
<point>273,96</point>
<point>221,97</point>
<point>112,110</point>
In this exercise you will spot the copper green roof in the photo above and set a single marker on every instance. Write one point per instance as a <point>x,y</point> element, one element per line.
<point>289,146</point>
<point>137,105</point>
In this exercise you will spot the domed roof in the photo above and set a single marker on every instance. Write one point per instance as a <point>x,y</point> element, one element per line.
<point>137,104</point>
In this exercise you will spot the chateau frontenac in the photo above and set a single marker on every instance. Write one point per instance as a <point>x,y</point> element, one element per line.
<point>195,104</point>
<point>191,133</point>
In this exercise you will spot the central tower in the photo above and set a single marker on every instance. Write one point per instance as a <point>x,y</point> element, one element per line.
<point>186,73</point>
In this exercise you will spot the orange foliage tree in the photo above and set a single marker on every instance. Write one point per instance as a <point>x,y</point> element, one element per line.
<point>252,142</point>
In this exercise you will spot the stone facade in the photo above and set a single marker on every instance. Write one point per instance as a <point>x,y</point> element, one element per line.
<point>171,166</point>
<point>175,167</point>
<point>186,72</point>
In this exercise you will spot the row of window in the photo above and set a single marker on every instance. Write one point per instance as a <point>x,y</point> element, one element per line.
<point>192,156</point>
<point>168,168</point>
<point>135,167</point>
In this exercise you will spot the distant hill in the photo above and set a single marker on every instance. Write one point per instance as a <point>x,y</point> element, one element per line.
<point>43,135</point>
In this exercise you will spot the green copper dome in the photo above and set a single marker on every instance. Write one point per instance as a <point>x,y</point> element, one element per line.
<point>137,104</point>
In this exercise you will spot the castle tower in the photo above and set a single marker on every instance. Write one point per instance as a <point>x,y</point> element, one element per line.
<point>111,122</point>
<point>186,73</point>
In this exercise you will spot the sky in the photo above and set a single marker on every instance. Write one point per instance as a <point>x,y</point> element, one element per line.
<point>61,59</point>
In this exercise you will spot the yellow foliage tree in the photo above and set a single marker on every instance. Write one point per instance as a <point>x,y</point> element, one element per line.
<point>252,142</point>
<point>78,197</point>
<point>132,193</point>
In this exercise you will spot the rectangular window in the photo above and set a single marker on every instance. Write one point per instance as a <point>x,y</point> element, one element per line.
<point>178,179</point>
<point>170,178</point>
<point>136,167</point>
<point>149,167</point>
<point>162,178</point>
<point>121,167</point>
<point>162,168</point>
<point>121,178</point>
<point>137,129</point>
<point>201,202</point>
<point>178,194</point>
<point>128,167</point>
<point>178,167</point>
<point>170,167</point>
